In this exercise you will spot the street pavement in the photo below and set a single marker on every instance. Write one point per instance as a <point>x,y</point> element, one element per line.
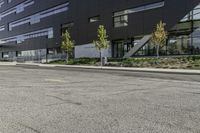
<point>52,100</point>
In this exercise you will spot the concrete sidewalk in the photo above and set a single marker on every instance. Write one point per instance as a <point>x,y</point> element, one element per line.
<point>8,63</point>
<point>151,70</point>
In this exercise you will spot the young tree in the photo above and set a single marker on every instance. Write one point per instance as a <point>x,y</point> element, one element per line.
<point>102,41</point>
<point>159,37</point>
<point>67,44</point>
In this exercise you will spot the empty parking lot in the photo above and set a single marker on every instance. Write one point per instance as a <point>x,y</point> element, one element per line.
<point>34,100</point>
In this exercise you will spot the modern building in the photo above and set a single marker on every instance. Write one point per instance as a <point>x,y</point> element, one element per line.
<point>32,29</point>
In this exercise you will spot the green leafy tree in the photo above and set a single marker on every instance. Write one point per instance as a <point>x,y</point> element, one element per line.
<point>102,41</point>
<point>159,37</point>
<point>67,44</point>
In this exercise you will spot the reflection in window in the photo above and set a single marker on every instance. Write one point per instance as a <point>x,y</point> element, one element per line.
<point>2,28</point>
<point>21,38</point>
<point>121,17</point>
<point>121,21</point>
<point>67,27</point>
<point>18,53</point>
<point>192,15</point>
<point>94,19</point>
<point>17,9</point>
<point>5,54</point>
<point>1,2</point>
<point>33,19</point>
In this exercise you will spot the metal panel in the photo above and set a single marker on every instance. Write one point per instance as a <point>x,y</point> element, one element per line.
<point>84,32</point>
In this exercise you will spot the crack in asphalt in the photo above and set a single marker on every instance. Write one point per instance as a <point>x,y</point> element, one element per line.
<point>30,128</point>
<point>64,101</point>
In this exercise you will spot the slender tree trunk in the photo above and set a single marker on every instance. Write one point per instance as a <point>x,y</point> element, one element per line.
<point>47,56</point>
<point>67,57</point>
<point>157,51</point>
<point>100,57</point>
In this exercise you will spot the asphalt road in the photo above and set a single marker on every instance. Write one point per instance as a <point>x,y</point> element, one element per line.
<point>35,100</point>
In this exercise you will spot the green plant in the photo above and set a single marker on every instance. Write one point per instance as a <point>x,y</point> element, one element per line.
<point>102,41</point>
<point>159,37</point>
<point>71,62</point>
<point>187,62</point>
<point>127,63</point>
<point>67,44</point>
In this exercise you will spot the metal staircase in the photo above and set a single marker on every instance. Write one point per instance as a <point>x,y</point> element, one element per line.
<point>137,47</point>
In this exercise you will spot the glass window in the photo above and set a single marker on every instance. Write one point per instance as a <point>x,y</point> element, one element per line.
<point>18,53</point>
<point>17,9</point>
<point>33,19</point>
<point>121,21</point>
<point>67,27</point>
<point>2,28</point>
<point>94,19</point>
<point>21,38</point>
<point>10,1</point>
<point>5,54</point>
<point>1,2</point>
<point>192,15</point>
<point>121,17</point>
<point>121,47</point>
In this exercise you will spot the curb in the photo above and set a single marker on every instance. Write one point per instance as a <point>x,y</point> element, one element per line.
<point>149,70</point>
<point>8,63</point>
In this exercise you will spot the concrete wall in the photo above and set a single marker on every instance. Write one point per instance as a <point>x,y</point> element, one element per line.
<point>89,50</point>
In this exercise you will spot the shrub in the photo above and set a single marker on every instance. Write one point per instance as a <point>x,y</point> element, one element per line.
<point>115,59</point>
<point>167,62</point>
<point>127,63</point>
<point>79,61</point>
